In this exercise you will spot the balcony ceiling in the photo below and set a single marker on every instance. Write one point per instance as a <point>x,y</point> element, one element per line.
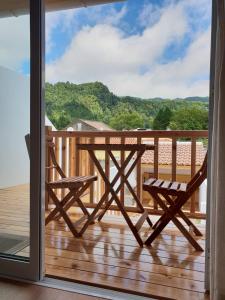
<point>19,7</point>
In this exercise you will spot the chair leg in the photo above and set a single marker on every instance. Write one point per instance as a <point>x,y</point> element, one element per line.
<point>187,235</point>
<point>187,221</point>
<point>55,211</point>
<point>63,213</point>
<point>168,216</point>
<point>157,222</point>
<point>149,222</point>
<point>157,230</point>
<point>183,216</point>
<point>76,198</point>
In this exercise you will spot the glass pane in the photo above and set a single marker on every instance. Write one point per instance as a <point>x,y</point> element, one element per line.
<point>14,125</point>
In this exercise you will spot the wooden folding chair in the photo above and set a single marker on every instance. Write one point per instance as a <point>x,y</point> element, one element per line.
<point>175,195</point>
<point>76,187</point>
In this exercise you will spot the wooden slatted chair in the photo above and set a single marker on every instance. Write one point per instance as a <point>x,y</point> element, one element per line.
<point>175,195</point>
<point>76,187</point>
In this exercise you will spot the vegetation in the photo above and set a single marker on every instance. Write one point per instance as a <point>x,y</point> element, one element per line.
<point>162,119</point>
<point>124,117</point>
<point>190,118</point>
<point>93,101</point>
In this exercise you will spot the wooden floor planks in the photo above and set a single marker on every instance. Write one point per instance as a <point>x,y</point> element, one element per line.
<point>108,255</point>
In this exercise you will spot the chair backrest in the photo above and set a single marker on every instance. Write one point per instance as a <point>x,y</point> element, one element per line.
<point>53,161</point>
<point>199,177</point>
<point>27,140</point>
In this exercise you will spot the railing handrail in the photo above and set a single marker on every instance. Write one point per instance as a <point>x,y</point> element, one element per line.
<point>138,133</point>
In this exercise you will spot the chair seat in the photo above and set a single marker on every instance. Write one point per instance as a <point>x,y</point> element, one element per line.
<point>169,186</point>
<point>71,182</point>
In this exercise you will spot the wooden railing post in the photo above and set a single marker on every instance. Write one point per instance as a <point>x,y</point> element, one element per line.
<point>174,159</point>
<point>92,171</point>
<point>156,163</point>
<point>193,169</point>
<point>56,175</point>
<point>139,177</point>
<point>77,159</point>
<point>63,160</point>
<point>71,158</point>
<point>48,163</point>
<point>107,162</point>
<point>122,159</point>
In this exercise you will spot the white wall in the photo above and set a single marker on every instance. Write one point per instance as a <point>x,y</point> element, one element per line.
<point>14,125</point>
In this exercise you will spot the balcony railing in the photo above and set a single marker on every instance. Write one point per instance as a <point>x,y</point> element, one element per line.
<point>74,162</point>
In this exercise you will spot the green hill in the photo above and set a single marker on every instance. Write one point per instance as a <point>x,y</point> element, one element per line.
<point>67,101</point>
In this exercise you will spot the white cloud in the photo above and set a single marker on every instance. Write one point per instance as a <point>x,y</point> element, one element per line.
<point>113,16</point>
<point>182,77</point>
<point>129,65</point>
<point>15,41</point>
<point>51,22</point>
<point>67,21</point>
<point>150,14</point>
<point>104,14</point>
<point>61,20</point>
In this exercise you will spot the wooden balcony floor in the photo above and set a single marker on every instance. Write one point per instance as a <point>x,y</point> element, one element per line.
<point>108,255</point>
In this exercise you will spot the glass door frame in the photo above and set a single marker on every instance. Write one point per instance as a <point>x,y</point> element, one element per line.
<point>214,25</point>
<point>33,269</point>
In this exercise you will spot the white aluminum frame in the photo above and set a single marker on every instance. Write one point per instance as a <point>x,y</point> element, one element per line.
<point>33,269</point>
<point>210,130</point>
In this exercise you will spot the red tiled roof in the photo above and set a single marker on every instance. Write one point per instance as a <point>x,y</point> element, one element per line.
<point>165,151</point>
<point>183,154</point>
<point>97,125</point>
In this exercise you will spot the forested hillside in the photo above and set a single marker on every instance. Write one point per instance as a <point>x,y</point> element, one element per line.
<point>93,101</point>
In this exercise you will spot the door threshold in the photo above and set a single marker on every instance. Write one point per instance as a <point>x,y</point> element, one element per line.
<point>89,290</point>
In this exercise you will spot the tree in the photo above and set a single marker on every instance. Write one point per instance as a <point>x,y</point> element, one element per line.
<point>162,119</point>
<point>61,118</point>
<point>125,118</point>
<point>190,118</point>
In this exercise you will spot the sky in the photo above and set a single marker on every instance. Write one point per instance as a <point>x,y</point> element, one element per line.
<point>142,48</point>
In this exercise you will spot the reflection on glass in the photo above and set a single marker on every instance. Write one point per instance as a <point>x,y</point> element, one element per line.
<point>14,125</point>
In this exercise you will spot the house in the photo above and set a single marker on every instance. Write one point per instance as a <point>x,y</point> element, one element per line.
<point>49,123</point>
<point>88,125</point>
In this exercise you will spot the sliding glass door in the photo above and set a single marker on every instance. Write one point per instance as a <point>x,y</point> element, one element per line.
<point>21,135</point>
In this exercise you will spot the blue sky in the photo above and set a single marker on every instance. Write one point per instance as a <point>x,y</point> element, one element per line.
<point>143,48</point>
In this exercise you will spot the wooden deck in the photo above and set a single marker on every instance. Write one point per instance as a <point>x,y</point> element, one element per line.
<point>109,256</point>
<point>15,213</point>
